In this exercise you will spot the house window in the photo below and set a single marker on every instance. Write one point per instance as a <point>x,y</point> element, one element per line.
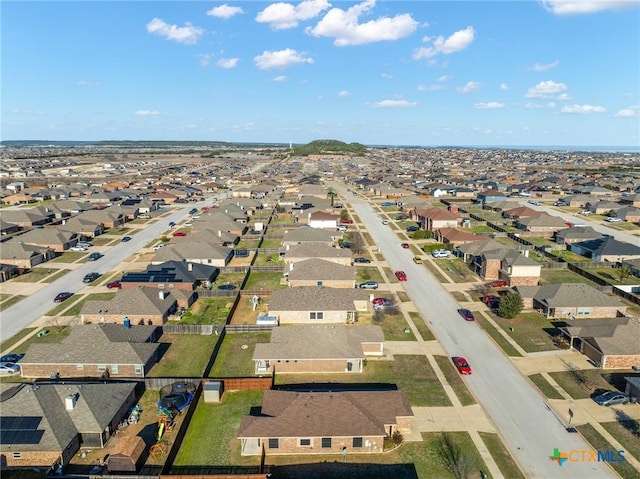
<point>584,311</point>
<point>102,367</point>
<point>305,442</point>
<point>319,283</point>
<point>316,315</point>
<point>114,369</point>
<point>17,455</point>
<point>326,442</point>
<point>273,443</point>
<point>79,367</point>
<point>357,442</point>
<point>138,368</point>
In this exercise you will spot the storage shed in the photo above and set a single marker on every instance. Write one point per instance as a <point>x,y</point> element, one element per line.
<point>129,453</point>
<point>212,391</point>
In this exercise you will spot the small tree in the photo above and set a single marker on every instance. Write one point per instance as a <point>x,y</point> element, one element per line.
<point>510,305</point>
<point>458,462</point>
<point>358,244</point>
<point>623,273</point>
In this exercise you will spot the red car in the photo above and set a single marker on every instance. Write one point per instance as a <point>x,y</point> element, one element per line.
<point>62,297</point>
<point>498,284</point>
<point>405,245</point>
<point>114,285</point>
<point>179,233</point>
<point>462,365</point>
<point>401,275</point>
<point>379,300</point>
<point>346,222</point>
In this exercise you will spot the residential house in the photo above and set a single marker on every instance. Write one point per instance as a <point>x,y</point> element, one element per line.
<point>54,239</point>
<point>172,275</point>
<point>95,350</point>
<point>187,250</point>
<point>510,265</point>
<point>7,228</point>
<point>606,249</point>
<point>320,348</point>
<point>318,305</point>
<point>609,343</point>
<point>307,235</point>
<point>602,207</point>
<point>541,225</point>
<point>456,237</point>
<point>7,271</point>
<point>45,424</point>
<point>490,196</point>
<point>137,305</point>
<point>320,219</point>
<point>472,251</point>
<point>432,219</point>
<point>106,217</point>
<point>27,217</point>
<point>83,227</point>
<point>631,214</point>
<point>519,212</point>
<point>319,272</point>
<point>569,236</point>
<point>217,221</point>
<point>331,422</point>
<point>302,252</point>
<point>24,256</point>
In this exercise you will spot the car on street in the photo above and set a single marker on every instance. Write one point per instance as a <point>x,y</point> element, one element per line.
<point>179,233</point>
<point>345,245</point>
<point>62,297</point>
<point>78,248</point>
<point>412,228</point>
<point>193,211</point>
<point>417,260</point>
<point>368,285</point>
<point>401,275</point>
<point>9,368</point>
<point>361,260</point>
<point>114,285</point>
<point>385,222</point>
<point>11,358</point>
<point>126,239</point>
<point>158,246</point>
<point>611,398</point>
<point>172,224</point>
<point>534,202</point>
<point>498,284</point>
<point>462,365</point>
<point>404,245</point>
<point>226,287</point>
<point>466,314</point>
<point>90,277</point>
<point>94,256</point>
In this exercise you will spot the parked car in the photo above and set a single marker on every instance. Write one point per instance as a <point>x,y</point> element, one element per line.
<point>361,260</point>
<point>126,239</point>
<point>179,233</point>
<point>9,368</point>
<point>412,228</point>
<point>611,398</point>
<point>375,301</point>
<point>585,212</point>
<point>94,256</point>
<point>561,203</point>
<point>62,297</point>
<point>386,303</point>
<point>158,246</point>
<point>401,217</point>
<point>466,314</point>
<point>188,223</point>
<point>401,275</point>
<point>368,285</point>
<point>193,211</point>
<point>90,277</point>
<point>613,219</point>
<point>78,248</point>
<point>342,228</point>
<point>172,224</point>
<point>462,365</point>
<point>405,245</point>
<point>114,285</point>
<point>441,253</point>
<point>346,221</point>
<point>345,245</point>
<point>11,358</point>
<point>385,222</point>
<point>498,284</point>
<point>492,301</point>
<point>84,244</point>
<point>417,260</point>
<point>534,202</point>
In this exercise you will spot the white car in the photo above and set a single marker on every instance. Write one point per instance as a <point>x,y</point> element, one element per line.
<point>77,248</point>
<point>613,220</point>
<point>585,212</point>
<point>158,246</point>
<point>342,228</point>
<point>9,368</point>
<point>441,253</point>
<point>385,222</point>
<point>534,202</point>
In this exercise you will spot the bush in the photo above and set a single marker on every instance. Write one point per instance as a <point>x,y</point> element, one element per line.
<point>510,305</point>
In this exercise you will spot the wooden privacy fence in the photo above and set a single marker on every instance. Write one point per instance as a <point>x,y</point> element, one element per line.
<point>244,384</point>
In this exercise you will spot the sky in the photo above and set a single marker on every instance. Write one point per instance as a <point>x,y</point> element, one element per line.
<point>419,73</point>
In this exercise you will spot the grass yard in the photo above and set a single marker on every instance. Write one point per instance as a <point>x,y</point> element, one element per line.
<point>497,337</point>
<point>505,462</point>
<point>435,271</point>
<point>598,442</point>
<point>34,276</point>
<point>235,357</point>
<point>411,373</point>
<point>66,304</point>
<point>421,326</point>
<point>403,297</point>
<point>7,345</point>
<point>577,388</point>
<point>271,243</point>
<point>7,303</point>
<point>457,270</point>
<point>627,431</point>
<point>531,331</point>
<point>183,355</point>
<point>545,388</point>
<point>455,380</point>
<point>208,311</point>
<point>77,306</point>
<point>611,276</point>
<point>553,276</point>
<point>244,313</point>
<point>394,326</point>
<point>232,278</point>
<point>267,280</point>
<point>272,259</point>
<point>55,335</point>
<point>368,273</point>
<point>69,257</point>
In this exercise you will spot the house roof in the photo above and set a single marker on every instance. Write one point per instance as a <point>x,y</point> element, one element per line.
<point>14,249</point>
<point>318,342</point>
<point>607,246</point>
<point>308,234</point>
<point>457,236</point>
<point>565,295</point>
<point>543,219</point>
<point>316,298</point>
<point>133,301</point>
<point>47,236</point>
<point>325,414</point>
<point>186,249</point>
<point>585,232</point>
<point>477,247</point>
<point>320,269</point>
<point>314,250</point>
<point>612,336</point>
<point>172,272</point>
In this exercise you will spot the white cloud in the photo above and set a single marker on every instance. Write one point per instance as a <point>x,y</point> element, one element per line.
<point>387,76</point>
<point>492,105</point>
<point>443,78</point>
<point>504,86</point>
<point>224,11</point>
<point>279,78</point>
<point>149,113</point>
<point>281,16</point>
<point>470,87</point>
<point>187,34</point>
<point>629,112</point>
<point>430,87</point>
<point>456,42</point>
<point>546,89</point>
<point>228,62</point>
<point>205,59</point>
<point>582,109</point>
<point>543,68</point>
<point>563,97</point>
<point>575,7</point>
<point>91,84</point>
<point>392,104</point>
<point>343,26</point>
<point>343,93</point>
<point>280,59</point>
<point>538,105</point>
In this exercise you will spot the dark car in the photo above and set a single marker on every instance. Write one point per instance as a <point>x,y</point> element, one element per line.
<point>466,314</point>
<point>462,365</point>
<point>172,224</point>
<point>94,256</point>
<point>226,287</point>
<point>90,277</point>
<point>62,297</point>
<point>411,229</point>
<point>11,358</point>
<point>492,301</point>
<point>114,285</point>
<point>362,260</point>
<point>611,398</point>
<point>405,245</point>
<point>126,238</point>
<point>345,245</point>
<point>193,211</point>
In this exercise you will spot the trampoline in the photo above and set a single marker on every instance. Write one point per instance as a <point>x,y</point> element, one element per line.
<point>176,396</point>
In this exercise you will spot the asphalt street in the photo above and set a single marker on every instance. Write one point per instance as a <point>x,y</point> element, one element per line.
<point>527,424</point>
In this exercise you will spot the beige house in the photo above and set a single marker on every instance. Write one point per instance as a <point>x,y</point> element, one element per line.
<point>307,235</point>
<point>24,256</point>
<point>510,265</point>
<point>305,251</point>
<point>432,219</point>
<point>319,272</point>
<point>318,305</point>
<point>318,349</point>
<point>139,305</point>
<point>543,224</point>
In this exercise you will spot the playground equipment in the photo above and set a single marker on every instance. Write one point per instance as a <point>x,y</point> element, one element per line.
<point>176,396</point>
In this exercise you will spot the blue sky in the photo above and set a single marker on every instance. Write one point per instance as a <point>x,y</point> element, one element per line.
<point>376,72</point>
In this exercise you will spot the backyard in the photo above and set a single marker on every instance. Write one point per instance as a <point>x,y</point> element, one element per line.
<point>207,311</point>
<point>266,280</point>
<point>183,355</point>
<point>235,356</point>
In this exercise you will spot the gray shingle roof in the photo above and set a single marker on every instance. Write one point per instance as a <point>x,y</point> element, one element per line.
<point>306,233</point>
<point>133,301</point>
<point>319,269</point>
<point>565,295</point>
<point>316,298</point>
<point>311,250</point>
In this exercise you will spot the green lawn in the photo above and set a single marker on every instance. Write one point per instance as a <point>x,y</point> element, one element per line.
<point>457,270</point>
<point>626,431</point>
<point>395,327</point>
<point>368,273</point>
<point>455,380</point>
<point>423,329</point>
<point>543,385</point>
<point>553,276</point>
<point>264,259</point>
<point>7,345</point>
<point>55,335</point>
<point>504,460</point>
<point>35,275</point>
<point>183,355</point>
<point>531,331</point>
<point>271,243</point>
<point>208,311</point>
<point>268,280</point>
<point>7,303</point>
<point>77,306</point>
<point>578,389</point>
<point>611,276</point>
<point>598,442</point>
<point>69,257</point>
<point>232,278</point>
<point>497,337</point>
<point>235,357</point>
<point>435,272</point>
